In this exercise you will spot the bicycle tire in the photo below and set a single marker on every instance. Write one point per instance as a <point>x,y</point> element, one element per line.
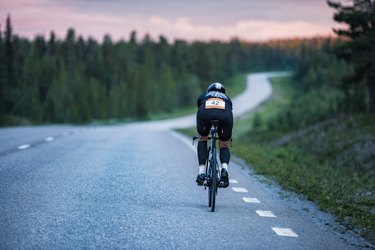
<point>209,186</point>
<point>213,185</point>
<point>208,177</point>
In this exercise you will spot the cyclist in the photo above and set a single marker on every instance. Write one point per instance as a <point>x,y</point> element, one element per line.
<point>214,104</point>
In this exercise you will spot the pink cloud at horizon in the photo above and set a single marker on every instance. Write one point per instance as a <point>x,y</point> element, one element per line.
<point>40,17</point>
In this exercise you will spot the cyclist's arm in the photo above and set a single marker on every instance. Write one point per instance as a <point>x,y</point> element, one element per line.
<point>200,99</point>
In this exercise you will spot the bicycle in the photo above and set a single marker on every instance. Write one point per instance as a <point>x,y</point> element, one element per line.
<point>213,174</point>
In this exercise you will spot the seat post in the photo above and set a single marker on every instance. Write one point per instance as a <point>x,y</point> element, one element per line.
<point>214,126</point>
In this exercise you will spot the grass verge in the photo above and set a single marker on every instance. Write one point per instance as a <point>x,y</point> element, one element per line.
<point>331,163</point>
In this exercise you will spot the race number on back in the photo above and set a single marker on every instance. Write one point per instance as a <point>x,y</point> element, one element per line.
<point>215,103</point>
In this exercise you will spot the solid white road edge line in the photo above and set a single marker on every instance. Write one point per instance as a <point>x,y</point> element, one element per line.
<point>184,139</point>
<point>284,232</point>
<point>24,146</point>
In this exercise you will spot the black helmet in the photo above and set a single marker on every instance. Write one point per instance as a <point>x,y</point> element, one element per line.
<point>216,86</point>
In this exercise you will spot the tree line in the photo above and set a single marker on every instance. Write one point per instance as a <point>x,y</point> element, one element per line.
<point>78,80</point>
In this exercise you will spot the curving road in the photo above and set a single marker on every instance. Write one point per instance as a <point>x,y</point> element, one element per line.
<point>133,186</point>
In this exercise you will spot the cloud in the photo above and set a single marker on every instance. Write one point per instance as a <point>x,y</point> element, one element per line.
<point>31,17</point>
<point>255,30</point>
<point>258,29</point>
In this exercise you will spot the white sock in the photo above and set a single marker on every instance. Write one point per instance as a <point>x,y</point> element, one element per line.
<point>202,169</point>
<point>224,165</point>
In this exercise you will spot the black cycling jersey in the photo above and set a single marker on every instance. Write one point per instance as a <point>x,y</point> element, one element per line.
<point>214,94</point>
<point>215,105</point>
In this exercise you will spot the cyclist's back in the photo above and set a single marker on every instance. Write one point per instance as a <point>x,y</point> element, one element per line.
<point>214,104</point>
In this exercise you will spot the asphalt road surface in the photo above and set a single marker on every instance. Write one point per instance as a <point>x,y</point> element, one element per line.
<point>133,186</point>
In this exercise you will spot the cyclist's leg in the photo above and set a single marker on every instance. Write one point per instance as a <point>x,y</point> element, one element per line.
<point>224,152</point>
<point>224,159</point>
<point>202,150</point>
<point>225,135</point>
<point>203,131</point>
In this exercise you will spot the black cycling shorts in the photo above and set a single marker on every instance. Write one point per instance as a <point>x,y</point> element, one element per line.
<point>204,116</point>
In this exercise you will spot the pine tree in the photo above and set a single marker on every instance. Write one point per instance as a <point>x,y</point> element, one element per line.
<point>2,79</point>
<point>360,49</point>
<point>10,79</point>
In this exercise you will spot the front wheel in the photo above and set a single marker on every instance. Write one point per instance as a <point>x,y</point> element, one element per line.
<point>213,186</point>
<point>208,179</point>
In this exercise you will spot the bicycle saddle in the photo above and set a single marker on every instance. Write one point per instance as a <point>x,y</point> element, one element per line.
<point>215,123</point>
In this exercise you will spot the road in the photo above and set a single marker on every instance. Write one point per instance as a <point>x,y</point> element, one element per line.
<point>132,186</point>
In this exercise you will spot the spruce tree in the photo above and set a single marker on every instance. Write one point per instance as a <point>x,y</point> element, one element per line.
<point>10,84</point>
<point>2,79</point>
<point>360,48</point>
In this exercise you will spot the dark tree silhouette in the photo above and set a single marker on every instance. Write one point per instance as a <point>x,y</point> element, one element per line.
<point>360,48</point>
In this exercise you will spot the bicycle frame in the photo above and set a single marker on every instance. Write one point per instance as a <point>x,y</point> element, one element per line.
<point>212,170</point>
<point>212,167</point>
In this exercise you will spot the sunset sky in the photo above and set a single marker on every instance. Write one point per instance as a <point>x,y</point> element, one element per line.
<point>251,20</point>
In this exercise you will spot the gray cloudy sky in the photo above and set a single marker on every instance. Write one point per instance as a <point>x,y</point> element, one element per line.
<point>189,20</point>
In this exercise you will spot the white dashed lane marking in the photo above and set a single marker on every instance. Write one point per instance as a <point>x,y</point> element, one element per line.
<point>25,146</point>
<point>233,181</point>
<point>52,138</point>
<point>284,232</point>
<point>250,200</point>
<point>48,139</point>
<point>264,213</point>
<point>240,190</point>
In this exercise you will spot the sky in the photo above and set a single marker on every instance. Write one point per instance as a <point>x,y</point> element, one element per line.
<point>251,20</point>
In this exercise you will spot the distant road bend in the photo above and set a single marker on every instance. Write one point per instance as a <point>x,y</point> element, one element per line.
<point>132,186</point>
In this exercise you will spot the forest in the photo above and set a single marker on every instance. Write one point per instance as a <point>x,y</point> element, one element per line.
<point>77,80</point>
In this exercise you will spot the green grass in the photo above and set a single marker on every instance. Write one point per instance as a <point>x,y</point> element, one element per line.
<point>331,163</point>
<point>235,85</point>
<point>259,117</point>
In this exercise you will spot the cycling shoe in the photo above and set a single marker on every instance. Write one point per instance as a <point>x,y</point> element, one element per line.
<point>224,178</point>
<point>200,179</point>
